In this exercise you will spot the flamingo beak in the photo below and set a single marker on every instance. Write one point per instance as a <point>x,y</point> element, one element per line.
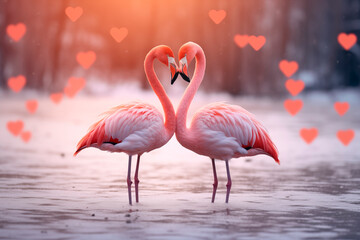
<point>174,77</point>
<point>173,69</point>
<point>184,76</point>
<point>176,74</point>
<point>183,69</point>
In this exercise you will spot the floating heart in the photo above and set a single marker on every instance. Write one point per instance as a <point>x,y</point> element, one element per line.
<point>309,135</point>
<point>345,136</point>
<point>56,97</point>
<point>26,136</point>
<point>16,83</point>
<point>347,41</point>
<point>73,13</point>
<point>293,106</point>
<point>217,16</point>
<point>119,33</point>
<point>70,91</point>
<point>15,127</point>
<point>16,32</point>
<point>294,87</point>
<point>341,107</point>
<point>241,40</point>
<point>257,42</point>
<point>77,83</point>
<point>31,106</point>
<point>86,59</point>
<point>288,68</point>
<point>74,86</point>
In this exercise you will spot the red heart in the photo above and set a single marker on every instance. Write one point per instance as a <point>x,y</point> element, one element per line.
<point>257,42</point>
<point>288,68</point>
<point>56,97</point>
<point>294,87</point>
<point>341,107</point>
<point>70,91</point>
<point>309,135</point>
<point>73,13</point>
<point>31,106</point>
<point>347,41</point>
<point>15,127</point>
<point>86,59</point>
<point>16,83</point>
<point>241,40</point>
<point>74,86</point>
<point>293,106</point>
<point>119,33</point>
<point>217,16</point>
<point>26,136</point>
<point>345,136</point>
<point>16,32</point>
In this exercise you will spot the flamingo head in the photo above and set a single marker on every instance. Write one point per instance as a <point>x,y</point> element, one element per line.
<point>174,70</point>
<point>166,56</point>
<point>163,53</point>
<point>187,53</point>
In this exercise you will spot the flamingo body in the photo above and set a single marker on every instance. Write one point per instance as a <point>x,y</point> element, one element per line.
<point>224,131</point>
<point>136,128</point>
<point>133,128</point>
<point>219,131</point>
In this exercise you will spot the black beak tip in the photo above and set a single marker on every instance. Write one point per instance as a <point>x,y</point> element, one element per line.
<point>185,77</point>
<point>174,78</point>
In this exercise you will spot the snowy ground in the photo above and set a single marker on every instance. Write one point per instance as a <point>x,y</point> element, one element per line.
<point>45,193</point>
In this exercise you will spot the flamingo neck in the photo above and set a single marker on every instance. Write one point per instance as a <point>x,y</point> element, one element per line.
<point>183,134</point>
<point>163,97</point>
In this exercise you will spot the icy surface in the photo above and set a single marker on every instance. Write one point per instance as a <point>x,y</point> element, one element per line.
<point>45,193</point>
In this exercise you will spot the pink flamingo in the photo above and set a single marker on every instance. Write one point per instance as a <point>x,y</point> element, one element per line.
<point>219,131</point>
<point>136,128</point>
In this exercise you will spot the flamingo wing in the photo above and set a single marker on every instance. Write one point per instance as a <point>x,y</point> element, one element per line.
<point>233,124</point>
<point>132,128</point>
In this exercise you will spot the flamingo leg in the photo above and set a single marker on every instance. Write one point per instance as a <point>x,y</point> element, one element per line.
<point>215,180</point>
<point>228,185</point>
<point>136,179</point>
<point>129,180</point>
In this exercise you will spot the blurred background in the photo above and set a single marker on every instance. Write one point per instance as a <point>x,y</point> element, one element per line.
<point>304,31</point>
<point>46,193</point>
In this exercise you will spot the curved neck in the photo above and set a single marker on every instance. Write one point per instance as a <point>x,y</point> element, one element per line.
<point>160,92</point>
<point>181,113</point>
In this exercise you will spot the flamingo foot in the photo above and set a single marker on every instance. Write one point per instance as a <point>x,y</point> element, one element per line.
<point>137,189</point>
<point>136,179</point>
<point>214,191</point>
<point>215,184</point>
<point>228,185</point>
<point>129,182</point>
